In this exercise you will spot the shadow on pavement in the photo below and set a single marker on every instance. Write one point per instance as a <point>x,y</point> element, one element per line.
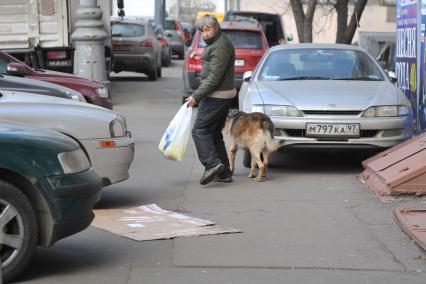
<point>320,160</point>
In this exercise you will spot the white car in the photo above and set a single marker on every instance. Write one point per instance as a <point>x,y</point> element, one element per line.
<point>102,133</point>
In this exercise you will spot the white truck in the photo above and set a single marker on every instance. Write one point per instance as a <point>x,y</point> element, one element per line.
<point>39,31</point>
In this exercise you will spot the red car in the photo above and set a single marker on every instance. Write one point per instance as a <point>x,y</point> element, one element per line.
<point>93,91</point>
<point>249,42</point>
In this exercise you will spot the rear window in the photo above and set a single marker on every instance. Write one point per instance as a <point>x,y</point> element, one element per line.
<point>127,30</point>
<point>170,25</point>
<point>240,39</point>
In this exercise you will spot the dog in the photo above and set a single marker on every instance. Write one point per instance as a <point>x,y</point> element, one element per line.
<point>252,131</point>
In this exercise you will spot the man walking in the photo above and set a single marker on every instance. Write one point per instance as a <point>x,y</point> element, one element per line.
<point>213,97</point>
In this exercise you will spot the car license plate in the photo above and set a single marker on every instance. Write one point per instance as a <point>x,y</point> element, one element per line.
<point>239,62</point>
<point>332,129</point>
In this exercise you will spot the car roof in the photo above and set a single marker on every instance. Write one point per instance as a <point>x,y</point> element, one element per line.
<point>139,21</point>
<point>315,46</point>
<point>240,26</point>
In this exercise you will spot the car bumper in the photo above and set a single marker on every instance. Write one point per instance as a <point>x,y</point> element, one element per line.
<point>111,163</point>
<point>134,62</point>
<point>72,198</point>
<point>194,80</point>
<point>177,47</point>
<point>374,132</point>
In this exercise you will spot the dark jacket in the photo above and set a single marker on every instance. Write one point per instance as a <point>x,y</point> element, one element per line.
<point>217,66</point>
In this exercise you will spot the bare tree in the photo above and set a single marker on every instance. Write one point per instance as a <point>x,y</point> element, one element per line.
<point>304,20</point>
<point>189,8</point>
<point>345,31</point>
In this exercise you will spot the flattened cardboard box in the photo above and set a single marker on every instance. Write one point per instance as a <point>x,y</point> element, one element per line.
<point>150,222</point>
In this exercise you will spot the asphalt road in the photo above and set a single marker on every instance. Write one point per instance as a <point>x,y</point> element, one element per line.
<point>310,221</point>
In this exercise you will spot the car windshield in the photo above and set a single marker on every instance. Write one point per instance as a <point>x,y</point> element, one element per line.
<point>319,64</point>
<point>240,39</point>
<point>127,30</point>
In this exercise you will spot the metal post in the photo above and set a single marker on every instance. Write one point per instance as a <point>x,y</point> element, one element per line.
<point>226,6</point>
<point>178,9</point>
<point>89,42</point>
<point>160,12</point>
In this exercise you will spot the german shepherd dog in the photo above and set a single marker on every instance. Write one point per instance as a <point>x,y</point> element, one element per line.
<point>252,131</point>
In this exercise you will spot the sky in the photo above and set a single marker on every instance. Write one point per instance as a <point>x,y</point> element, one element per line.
<point>145,8</point>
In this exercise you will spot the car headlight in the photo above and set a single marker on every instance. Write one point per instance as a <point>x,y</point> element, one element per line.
<point>257,108</point>
<point>102,92</point>
<point>277,110</point>
<point>74,95</point>
<point>74,161</point>
<point>386,111</point>
<point>118,127</point>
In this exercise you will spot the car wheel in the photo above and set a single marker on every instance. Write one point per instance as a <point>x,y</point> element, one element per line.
<point>159,73</point>
<point>247,159</point>
<point>18,230</point>
<point>153,75</point>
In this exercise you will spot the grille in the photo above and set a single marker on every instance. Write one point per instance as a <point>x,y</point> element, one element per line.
<point>332,112</point>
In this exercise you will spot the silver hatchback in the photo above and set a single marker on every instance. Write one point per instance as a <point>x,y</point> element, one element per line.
<point>327,95</point>
<point>135,47</point>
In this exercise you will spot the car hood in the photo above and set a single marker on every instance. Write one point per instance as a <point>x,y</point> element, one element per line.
<point>57,77</point>
<point>77,119</point>
<point>328,94</point>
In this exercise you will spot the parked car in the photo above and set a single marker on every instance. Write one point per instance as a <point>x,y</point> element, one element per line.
<point>102,133</point>
<point>11,83</point>
<point>175,34</point>
<point>166,51</point>
<point>387,57</point>
<point>135,47</point>
<point>94,92</point>
<point>327,95</point>
<point>270,23</point>
<point>249,42</point>
<point>47,191</point>
<point>188,32</point>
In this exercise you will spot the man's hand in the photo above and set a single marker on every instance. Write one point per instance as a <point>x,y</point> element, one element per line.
<point>191,101</point>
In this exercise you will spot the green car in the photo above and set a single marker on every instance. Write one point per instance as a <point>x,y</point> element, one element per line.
<point>47,192</point>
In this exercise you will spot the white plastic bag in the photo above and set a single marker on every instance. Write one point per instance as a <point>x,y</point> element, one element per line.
<point>174,140</point>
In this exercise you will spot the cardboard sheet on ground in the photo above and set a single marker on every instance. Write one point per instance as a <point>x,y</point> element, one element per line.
<point>150,222</point>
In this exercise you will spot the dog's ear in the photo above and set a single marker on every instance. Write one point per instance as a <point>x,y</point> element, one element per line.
<point>232,112</point>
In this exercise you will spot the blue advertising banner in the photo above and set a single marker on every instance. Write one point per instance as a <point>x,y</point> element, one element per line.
<point>406,67</point>
<point>422,101</point>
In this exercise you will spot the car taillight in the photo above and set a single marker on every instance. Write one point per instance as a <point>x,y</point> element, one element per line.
<point>52,55</point>
<point>194,62</point>
<point>146,43</point>
<point>163,41</point>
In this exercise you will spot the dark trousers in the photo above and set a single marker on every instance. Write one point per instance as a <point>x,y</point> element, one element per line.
<point>207,132</point>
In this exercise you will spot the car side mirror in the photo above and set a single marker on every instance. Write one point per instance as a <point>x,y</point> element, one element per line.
<point>247,76</point>
<point>392,76</point>
<point>16,69</point>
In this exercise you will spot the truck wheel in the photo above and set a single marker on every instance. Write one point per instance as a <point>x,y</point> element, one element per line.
<point>18,230</point>
<point>247,159</point>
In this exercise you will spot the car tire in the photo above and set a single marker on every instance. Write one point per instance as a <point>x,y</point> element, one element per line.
<point>153,75</point>
<point>247,159</point>
<point>22,223</point>
<point>159,72</point>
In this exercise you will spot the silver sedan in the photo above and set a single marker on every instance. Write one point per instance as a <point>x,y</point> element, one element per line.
<point>327,95</point>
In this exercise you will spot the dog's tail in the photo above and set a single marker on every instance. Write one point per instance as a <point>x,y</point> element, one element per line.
<point>272,144</point>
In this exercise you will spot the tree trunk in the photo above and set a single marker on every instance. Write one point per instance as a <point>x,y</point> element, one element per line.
<point>309,17</point>
<point>342,20</point>
<point>355,19</point>
<point>299,18</point>
<point>303,21</point>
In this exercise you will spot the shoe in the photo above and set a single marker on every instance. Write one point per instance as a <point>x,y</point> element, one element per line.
<point>223,178</point>
<point>209,174</point>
